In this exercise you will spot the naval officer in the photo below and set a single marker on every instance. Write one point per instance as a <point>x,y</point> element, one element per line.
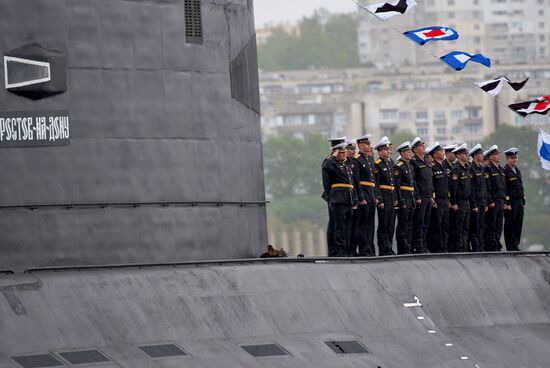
<point>515,201</point>
<point>387,199</point>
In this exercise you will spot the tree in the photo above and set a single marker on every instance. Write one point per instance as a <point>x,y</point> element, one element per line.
<point>536,180</point>
<point>323,40</point>
<point>401,136</point>
<point>292,170</point>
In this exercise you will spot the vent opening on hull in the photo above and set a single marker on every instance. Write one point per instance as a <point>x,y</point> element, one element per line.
<point>163,351</point>
<point>347,347</point>
<point>84,357</point>
<point>265,350</point>
<point>37,361</point>
<point>193,21</point>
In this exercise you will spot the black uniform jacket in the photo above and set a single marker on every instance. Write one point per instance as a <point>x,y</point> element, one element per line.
<point>514,184</point>
<point>339,182</point>
<point>460,185</point>
<point>440,180</point>
<point>357,189</point>
<point>383,173</point>
<point>479,185</point>
<point>448,168</point>
<point>404,184</point>
<point>366,177</point>
<point>496,183</point>
<point>423,176</point>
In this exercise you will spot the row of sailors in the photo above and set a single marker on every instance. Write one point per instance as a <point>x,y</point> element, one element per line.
<point>445,198</point>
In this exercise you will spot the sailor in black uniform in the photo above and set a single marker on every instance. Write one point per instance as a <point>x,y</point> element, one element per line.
<point>438,231</point>
<point>496,190</point>
<point>515,201</point>
<point>479,193</point>
<point>460,188</point>
<point>387,199</point>
<point>366,211</point>
<point>450,158</point>
<point>352,162</point>
<point>330,228</point>
<point>424,187</point>
<point>448,163</point>
<point>406,198</point>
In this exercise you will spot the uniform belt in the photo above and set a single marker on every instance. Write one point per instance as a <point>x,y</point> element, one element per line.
<point>387,187</point>
<point>347,186</point>
<point>410,189</point>
<point>367,184</point>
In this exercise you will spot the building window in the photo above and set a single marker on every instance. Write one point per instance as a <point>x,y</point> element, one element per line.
<point>405,115</point>
<point>193,21</point>
<point>389,131</point>
<point>388,115</point>
<point>473,112</point>
<point>456,114</point>
<point>422,115</point>
<point>473,128</point>
<point>440,115</point>
<point>422,131</point>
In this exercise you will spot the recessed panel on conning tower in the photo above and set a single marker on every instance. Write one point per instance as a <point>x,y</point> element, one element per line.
<point>136,139</point>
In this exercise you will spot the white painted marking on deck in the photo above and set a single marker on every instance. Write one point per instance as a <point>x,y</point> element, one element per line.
<point>415,304</point>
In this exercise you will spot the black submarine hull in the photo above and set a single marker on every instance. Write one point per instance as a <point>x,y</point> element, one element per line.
<point>479,310</point>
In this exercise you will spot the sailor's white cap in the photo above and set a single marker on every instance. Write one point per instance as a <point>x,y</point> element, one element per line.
<point>450,148</point>
<point>335,141</point>
<point>476,150</point>
<point>417,141</point>
<point>340,147</point>
<point>404,146</point>
<point>384,142</point>
<point>364,138</point>
<point>511,152</point>
<point>350,142</point>
<point>461,149</point>
<point>492,150</point>
<point>436,147</point>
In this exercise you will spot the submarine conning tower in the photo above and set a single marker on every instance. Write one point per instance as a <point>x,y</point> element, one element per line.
<point>129,132</point>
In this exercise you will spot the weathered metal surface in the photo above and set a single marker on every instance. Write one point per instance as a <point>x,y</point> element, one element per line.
<point>152,120</point>
<point>493,309</point>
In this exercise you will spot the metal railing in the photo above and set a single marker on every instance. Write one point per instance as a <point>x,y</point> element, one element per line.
<point>309,260</point>
<point>33,207</point>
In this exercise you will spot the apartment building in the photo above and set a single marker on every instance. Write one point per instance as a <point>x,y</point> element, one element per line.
<point>508,31</point>
<point>434,101</point>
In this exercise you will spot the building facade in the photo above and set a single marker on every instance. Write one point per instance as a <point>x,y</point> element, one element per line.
<point>508,31</point>
<point>433,102</point>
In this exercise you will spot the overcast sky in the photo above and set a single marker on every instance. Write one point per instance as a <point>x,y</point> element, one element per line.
<point>291,10</point>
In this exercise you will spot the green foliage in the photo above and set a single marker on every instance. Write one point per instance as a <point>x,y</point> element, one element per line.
<point>401,136</point>
<point>323,40</point>
<point>293,178</point>
<point>536,180</point>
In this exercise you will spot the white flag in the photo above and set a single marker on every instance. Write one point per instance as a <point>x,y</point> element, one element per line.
<point>544,149</point>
